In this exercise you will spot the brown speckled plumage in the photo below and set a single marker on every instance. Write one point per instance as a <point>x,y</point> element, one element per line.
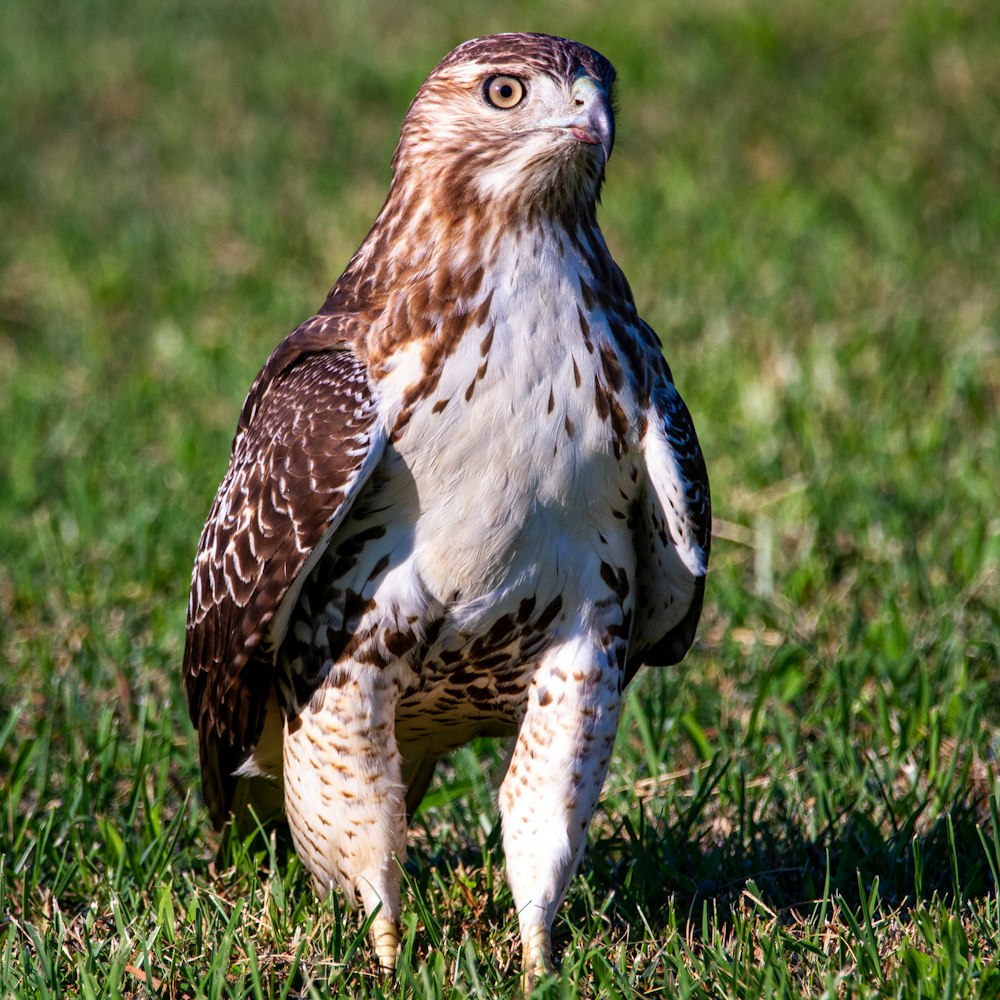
<point>464,499</point>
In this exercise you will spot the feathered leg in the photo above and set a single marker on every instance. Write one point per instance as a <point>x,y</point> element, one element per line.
<point>553,782</point>
<point>344,797</point>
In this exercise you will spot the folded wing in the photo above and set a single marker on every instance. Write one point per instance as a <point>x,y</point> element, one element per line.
<point>673,533</point>
<point>307,441</point>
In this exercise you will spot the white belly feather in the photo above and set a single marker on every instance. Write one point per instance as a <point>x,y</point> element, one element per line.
<point>515,479</point>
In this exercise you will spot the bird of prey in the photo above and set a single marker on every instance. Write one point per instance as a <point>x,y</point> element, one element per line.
<point>464,499</point>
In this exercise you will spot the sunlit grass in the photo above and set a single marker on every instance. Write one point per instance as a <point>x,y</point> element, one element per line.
<point>805,199</point>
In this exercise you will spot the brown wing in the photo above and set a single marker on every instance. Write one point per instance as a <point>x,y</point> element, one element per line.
<point>674,533</point>
<point>307,440</point>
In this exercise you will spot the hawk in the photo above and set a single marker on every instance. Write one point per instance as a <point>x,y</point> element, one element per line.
<point>464,499</point>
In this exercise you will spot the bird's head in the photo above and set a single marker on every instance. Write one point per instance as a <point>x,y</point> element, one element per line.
<point>520,120</point>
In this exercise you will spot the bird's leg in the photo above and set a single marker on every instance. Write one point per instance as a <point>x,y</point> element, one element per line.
<point>553,782</point>
<point>344,797</point>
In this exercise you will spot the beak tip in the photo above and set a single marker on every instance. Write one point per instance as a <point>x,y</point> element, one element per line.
<point>605,130</point>
<point>602,123</point>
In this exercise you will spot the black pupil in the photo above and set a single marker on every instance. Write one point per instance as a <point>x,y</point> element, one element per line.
<point>506,91</point>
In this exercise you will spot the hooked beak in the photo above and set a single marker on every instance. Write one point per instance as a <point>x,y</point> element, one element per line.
<point>592,121</point>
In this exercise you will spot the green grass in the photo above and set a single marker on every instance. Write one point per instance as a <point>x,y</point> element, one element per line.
<point>805,198</point>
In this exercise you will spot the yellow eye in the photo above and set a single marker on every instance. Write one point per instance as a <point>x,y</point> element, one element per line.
<point>503,91</point>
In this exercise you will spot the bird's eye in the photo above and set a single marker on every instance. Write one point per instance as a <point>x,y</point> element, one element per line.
<point>503,91</point>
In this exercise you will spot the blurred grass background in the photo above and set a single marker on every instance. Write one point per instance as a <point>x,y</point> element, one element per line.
<point>806,200</point>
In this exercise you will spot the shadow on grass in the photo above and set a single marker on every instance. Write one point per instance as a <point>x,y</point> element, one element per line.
<point>646,864</point>
<point>698,859</point>
<point>663,873</point>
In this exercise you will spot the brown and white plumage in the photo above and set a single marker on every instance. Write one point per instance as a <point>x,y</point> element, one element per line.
<point>464,499</point>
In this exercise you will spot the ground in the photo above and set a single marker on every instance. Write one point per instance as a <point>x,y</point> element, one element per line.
<point>805,199</point>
